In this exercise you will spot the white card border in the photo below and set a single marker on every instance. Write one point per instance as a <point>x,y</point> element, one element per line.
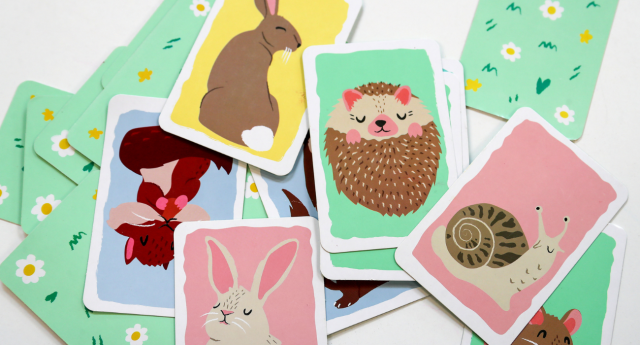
<point>346,273</point>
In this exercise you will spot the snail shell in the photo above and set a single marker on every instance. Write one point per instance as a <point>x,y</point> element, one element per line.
<point>484,234</point>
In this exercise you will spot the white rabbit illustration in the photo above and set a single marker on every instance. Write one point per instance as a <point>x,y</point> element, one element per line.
<point>238,317</point>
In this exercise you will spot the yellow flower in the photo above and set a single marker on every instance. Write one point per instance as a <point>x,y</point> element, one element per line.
<point>61,144</point>
<point>200,7</point>
<point>30,269</point>
<point>145,75</point>
<point>95,196</point>
<point>473,85</point>
<point>3,193</point>
<point>585,37</point>
<point>48,114</point>
<point>136,335</point>
<point>95,133</point>
<point>44,206</point>
<point>251,190</point>
<point>552,9</point>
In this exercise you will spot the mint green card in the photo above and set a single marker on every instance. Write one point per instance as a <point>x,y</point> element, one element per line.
<point>12,137</point>
<point>151,71</point>
<point>583,307</point>
<point>253,207</point>
<point>545,55</point>
<point>47,272</point>
<point>43,187</point>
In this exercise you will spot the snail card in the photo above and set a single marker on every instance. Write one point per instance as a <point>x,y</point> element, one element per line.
<point>574,314</point>
<point>381,140</point>
<point>541,54</point>
<point>249,282</point>
<point>512,226</point>
<point>150,182</point>
<point>241,91</point>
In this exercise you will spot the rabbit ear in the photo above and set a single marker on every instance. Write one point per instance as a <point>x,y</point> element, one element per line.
<point>273,270</point>
<point>223,274</point>
<point>267,7</point>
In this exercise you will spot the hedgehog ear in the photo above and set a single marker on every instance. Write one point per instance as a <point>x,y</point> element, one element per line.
<point>538,319</point>
<point>349,97</point>
<point>403,94</point>
<point>572,320</point>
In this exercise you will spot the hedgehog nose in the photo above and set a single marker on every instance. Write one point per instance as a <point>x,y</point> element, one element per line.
<point>380,123</point>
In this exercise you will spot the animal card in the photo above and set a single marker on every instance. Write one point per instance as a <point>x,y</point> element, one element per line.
<point>454,81</point>
<point>43,187</point>
<point>541,54</point>
<point>47,272</point>
<point>150,71</point>
<point>241,91</point>
<point>249,282</point>
<point>381,140</point>
<point>573,314</point>
<point>512,226</point>
<point>151,181</point>
<point>12,137</point>
<point>253,208</point>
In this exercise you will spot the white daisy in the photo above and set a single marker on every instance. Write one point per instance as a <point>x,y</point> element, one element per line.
<point>44,206</point>
<point>30,269</point>
<point>251,190</point>
<point>565,115</point>
<point>61,144</point>
<point>200,7</point>
<point>510,52</point>
<point>3,193</point>
<point>551,9</point>
<point>136,335</point>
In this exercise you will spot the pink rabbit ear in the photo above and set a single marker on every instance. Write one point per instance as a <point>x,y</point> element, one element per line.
<point>538,319</point>
<point>572,320</point>
<point>273,6</point>
<point>349,97</point>
<point>403,95</point>
<point>223,274</point>
<point>267,7</point>
<point>273,270</point>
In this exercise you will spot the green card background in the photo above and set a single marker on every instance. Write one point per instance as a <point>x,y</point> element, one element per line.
<point>338,72</point>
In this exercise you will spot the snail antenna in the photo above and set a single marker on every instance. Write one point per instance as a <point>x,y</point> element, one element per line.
<point>566,226</point>
<point>541,232</point>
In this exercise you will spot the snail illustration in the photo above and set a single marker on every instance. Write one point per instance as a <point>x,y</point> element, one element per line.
<point>485,246</point>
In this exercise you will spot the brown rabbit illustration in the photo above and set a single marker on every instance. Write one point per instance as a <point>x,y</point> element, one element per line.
<point>238,105</point>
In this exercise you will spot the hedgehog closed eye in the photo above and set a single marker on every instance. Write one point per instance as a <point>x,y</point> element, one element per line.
<point>401,117</point>
<point>361,121</point>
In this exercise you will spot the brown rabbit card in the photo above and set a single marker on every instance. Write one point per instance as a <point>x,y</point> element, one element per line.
<point>241,91</point>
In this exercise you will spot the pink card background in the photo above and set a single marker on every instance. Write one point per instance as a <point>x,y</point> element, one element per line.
<point>290,308</point>
<point>531,169</point>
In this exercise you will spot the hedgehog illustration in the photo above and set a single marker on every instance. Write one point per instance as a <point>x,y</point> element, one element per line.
<point>383,147</point>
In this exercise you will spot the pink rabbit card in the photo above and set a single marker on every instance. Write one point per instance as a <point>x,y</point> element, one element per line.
<point>249,282</point>
<point>241,90</point>
<point>510,229</point>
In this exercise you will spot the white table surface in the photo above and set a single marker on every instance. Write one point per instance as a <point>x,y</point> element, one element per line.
<point>61,43</point>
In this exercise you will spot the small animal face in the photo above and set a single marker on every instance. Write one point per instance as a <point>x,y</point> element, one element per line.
<point>277,32</point>
<point>546,329</point>
<point>234,319</point>
<point>379,113</point>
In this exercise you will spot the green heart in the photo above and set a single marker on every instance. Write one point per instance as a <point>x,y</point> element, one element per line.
<point>51,297</point>
<point>542,85</point>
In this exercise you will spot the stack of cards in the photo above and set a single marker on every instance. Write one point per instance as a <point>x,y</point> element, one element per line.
<point>240,175</point>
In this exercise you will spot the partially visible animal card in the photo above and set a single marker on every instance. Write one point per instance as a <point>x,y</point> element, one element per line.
<point>151,70</point>
<point>252,208</point>
<point>510,229</point>
<point>151,181</point>
<point>574,314</point>
<point>541,54</point>
<point>43,187</point>
<point>12,138</point>
<point>249,282</point>
<point>381,140</point>
<point>373,264</point>
<point>454,79</point>
<point>241,91</point>
<point>349,302</point>
<point>452,88</point>
<point>47,272</point>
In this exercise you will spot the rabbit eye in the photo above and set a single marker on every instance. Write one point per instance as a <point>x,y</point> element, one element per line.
<point>247,312</point>
<point>216,306</point>
<point>543,332</point>
<point>281,28</point>
<point>361,121</point>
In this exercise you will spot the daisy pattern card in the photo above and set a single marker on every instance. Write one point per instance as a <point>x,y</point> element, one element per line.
<point>381,140</point>
<point>573,314</point>
<point>454,82</point>
<point>241,91</point>
<point>150,182</point>
<point>512,227</point>
<point>541,54</point>
<point>249,282</point>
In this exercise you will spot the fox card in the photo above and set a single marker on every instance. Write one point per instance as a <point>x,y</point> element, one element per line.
<point>241,90</point>
<point>252,281</point>
<point>381,140</point>
<point>150,182</point>
<point>511,227</point>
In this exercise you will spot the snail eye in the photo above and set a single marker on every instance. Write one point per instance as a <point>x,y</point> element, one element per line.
<point>247,312</point>
<point>361,121</point>
<point>543,332</point>
<point>402,117</point>
<point>216,306</point>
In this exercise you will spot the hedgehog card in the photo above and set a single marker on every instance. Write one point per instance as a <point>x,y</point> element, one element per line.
<point>574,314</point>
<point>381,140</point>
<point>511,227</point>
<point>150,182</point>
<point>249,282</point>
<point>241,90</point>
